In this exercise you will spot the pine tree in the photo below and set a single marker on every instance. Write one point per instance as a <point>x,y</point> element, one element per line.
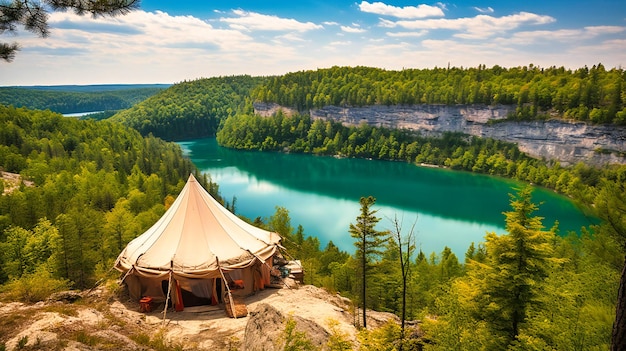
<point>611,207</point>
<point>516,265</point>
<point>369,243</point>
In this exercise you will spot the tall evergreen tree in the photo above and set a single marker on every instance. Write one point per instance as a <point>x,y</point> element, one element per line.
<point>517,263</point>
<point>611,207</point>
<point>369,243</point>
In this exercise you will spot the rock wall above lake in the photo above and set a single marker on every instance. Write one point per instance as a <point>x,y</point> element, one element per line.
<point>567,142</point>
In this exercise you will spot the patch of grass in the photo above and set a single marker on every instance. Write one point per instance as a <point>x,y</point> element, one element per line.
<point>141,339</point>
<point>233,343</point>
<point>22,342</point>
<point>158,343</point>
<point>84,338</point>
<point>11,323</point>
<point>65,310</point>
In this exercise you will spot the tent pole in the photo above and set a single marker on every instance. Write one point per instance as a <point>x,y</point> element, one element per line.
<point>167,298</point>
<point>126,275</point>
<point>230,296</point>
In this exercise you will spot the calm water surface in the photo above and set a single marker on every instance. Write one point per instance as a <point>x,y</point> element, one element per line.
<point>322,194</point>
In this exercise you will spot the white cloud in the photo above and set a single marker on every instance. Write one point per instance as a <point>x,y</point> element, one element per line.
<point>484,10</point>
<point>255,21</point>
<point>481,26</point>
<point>291,37</point>
<point>560,35</point>
<point>420,33</point>
<point>149,47</point>
<point>599,30</point>
<point>387,23</point>
<point>348,29</point>
<point>420,11</point>
<point>145,47</point>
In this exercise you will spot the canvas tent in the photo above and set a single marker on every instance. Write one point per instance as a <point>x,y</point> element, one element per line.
<point>198,250</point>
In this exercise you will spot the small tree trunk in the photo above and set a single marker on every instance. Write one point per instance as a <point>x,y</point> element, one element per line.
<point>618,337</point>
<point>363,293</point>
<point>403,308</point>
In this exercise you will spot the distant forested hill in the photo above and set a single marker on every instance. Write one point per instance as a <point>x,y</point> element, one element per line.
<point>586,94</point>
<point>197,108</point>
<point>76,98</point>
<point>190,109</point>
<point>97,88</point>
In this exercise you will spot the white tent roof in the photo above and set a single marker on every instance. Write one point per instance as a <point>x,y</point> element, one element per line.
<point>195,238</point>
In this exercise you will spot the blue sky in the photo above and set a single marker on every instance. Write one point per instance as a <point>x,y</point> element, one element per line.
<point>171,41</point>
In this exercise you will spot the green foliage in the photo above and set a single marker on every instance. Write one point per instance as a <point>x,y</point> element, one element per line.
<point>84,338</point>
<point>157,342</point>
<point>190,109</point>
<point>295,340</point>
<point>558,293</point>
<point>368,243</point>
<point>338,340</point>
<point>384,338</point>
<point>21,343</point>
<point>33,287</point>
<point>75,101</point>
<point>280,222</point>
<point>589,94</point>
<point>518,262</point>
<point>97,185</point>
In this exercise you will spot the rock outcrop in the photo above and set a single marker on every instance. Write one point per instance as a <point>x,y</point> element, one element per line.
<point>567,142</point>
<point>266,325</point>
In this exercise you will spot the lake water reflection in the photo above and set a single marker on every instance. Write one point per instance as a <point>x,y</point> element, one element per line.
<point>322,194</point>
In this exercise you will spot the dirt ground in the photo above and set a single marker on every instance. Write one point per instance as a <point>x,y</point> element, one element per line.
<point>103,320</point>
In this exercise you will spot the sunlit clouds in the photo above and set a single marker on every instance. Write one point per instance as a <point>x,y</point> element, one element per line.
<point>158,47</point>
<point>420,11</point>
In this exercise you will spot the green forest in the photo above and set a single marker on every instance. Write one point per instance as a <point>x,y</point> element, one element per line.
<point>190,109</point>
<point>95,185</point>
<point>75,100</point>
<point>197,108</point>
<point>586,94</point>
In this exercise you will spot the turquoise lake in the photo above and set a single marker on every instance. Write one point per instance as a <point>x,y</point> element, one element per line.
<point>322,194</point>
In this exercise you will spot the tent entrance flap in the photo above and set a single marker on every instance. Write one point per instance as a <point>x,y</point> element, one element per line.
<point>199,292</point>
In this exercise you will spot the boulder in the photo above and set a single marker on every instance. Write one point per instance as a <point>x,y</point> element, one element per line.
<point>265,329</point>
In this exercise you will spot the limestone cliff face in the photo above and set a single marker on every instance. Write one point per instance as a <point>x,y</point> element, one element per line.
<point>567,142</point>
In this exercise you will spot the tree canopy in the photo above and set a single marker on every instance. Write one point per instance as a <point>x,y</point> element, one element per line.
<point>67,101</point>
<point>95,186</point>
<point>190,109</point>
<point>588,94</point>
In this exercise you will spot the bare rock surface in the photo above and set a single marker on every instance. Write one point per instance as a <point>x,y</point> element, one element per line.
<point>565,141</point>
<point>103,320</point>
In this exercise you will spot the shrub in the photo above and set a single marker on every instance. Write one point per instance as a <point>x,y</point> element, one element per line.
<point>34,287</point>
